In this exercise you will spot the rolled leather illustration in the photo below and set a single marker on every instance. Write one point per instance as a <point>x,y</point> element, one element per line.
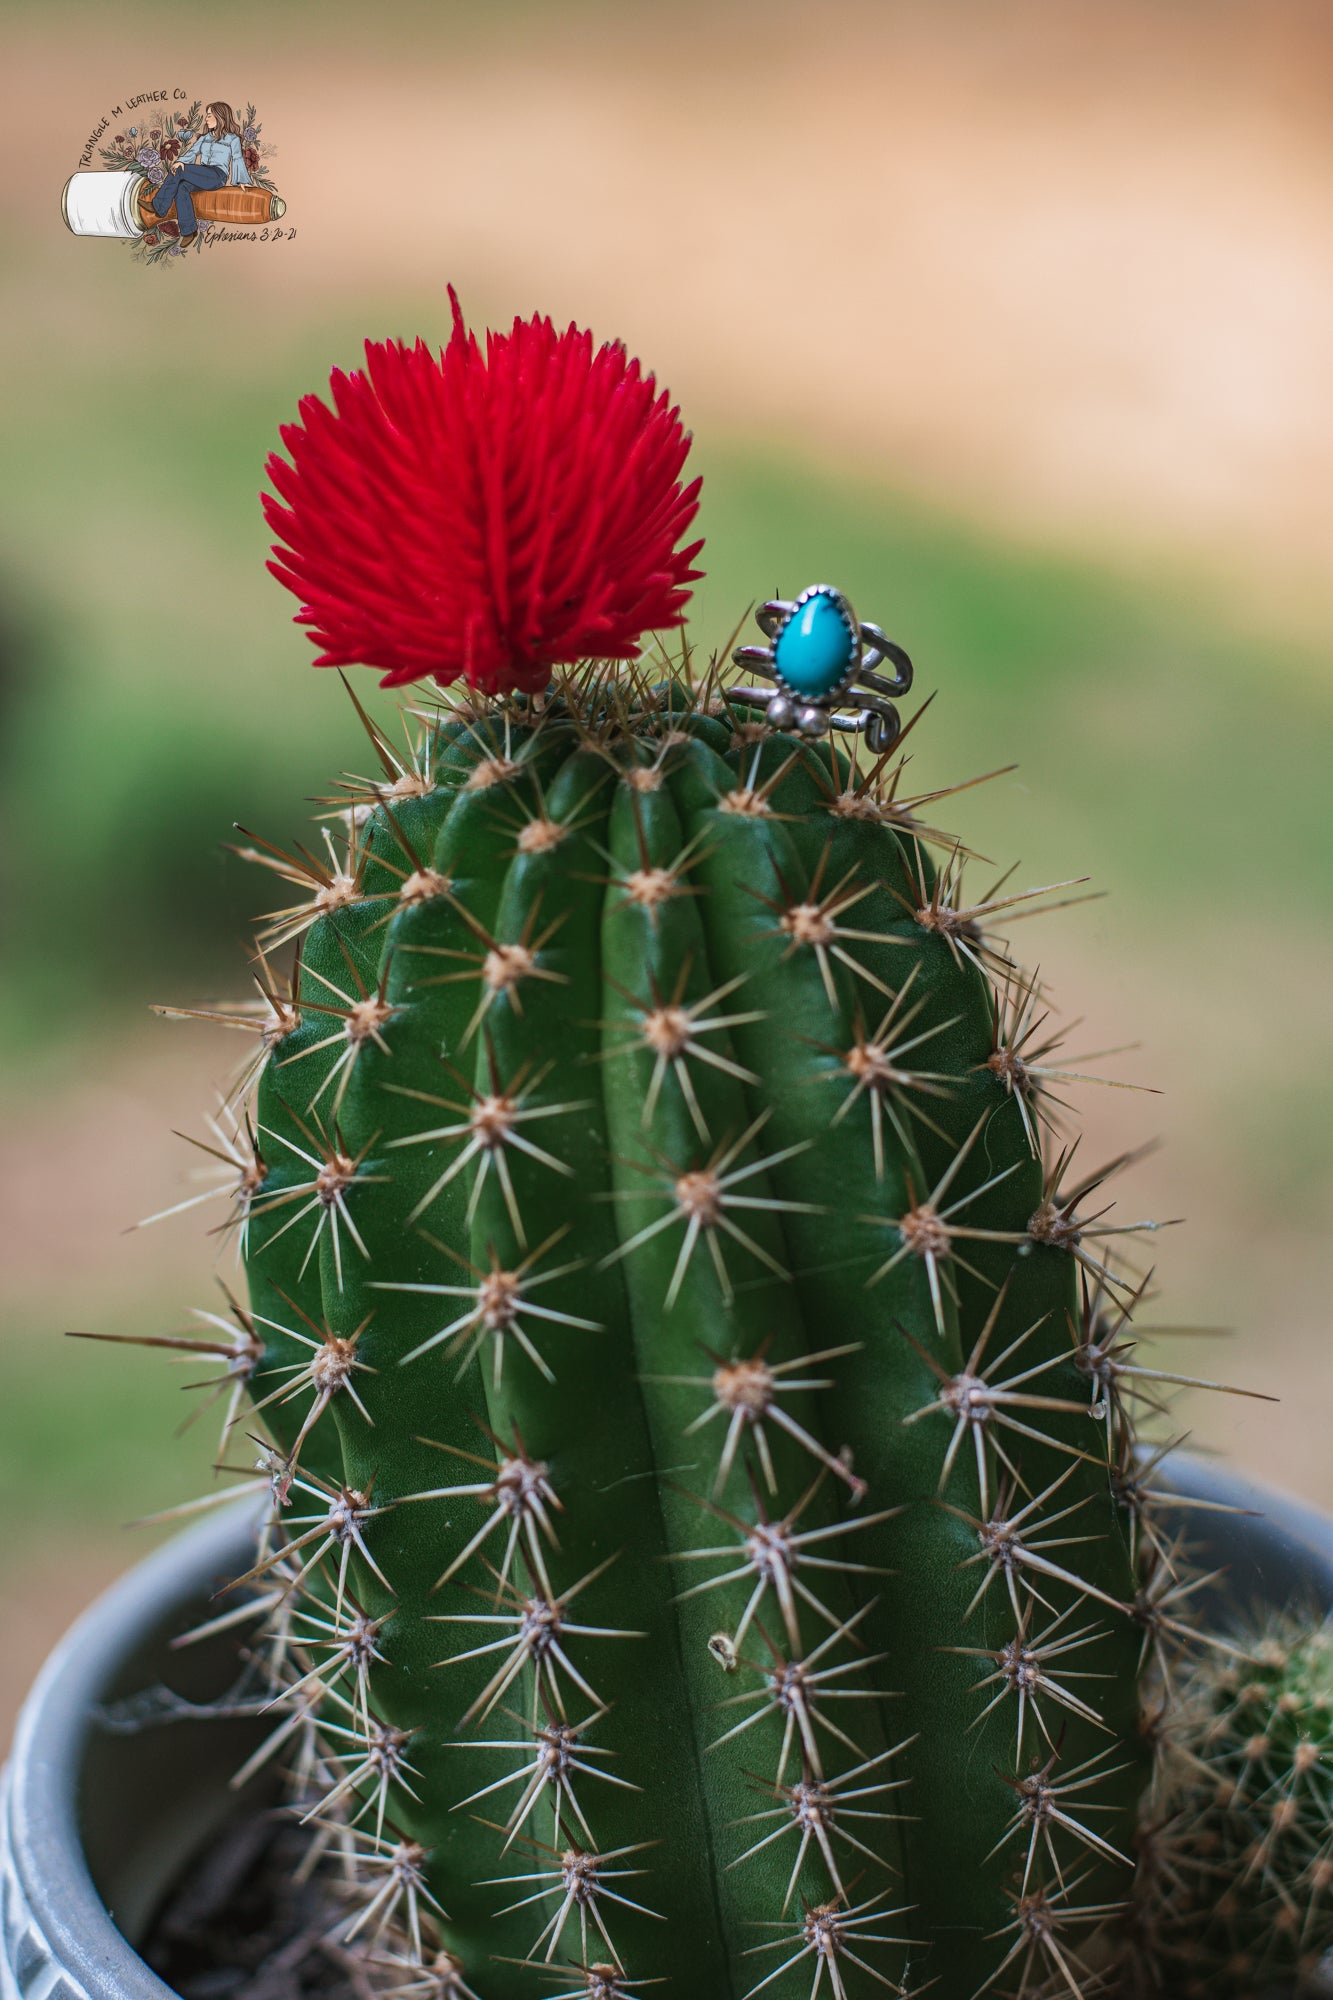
<point>116,203</point>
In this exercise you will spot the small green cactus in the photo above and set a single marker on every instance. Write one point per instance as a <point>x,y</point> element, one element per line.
<point>1236,1892</point>
<point>708,1542</point>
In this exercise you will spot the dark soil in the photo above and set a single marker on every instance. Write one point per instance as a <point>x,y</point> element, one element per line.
<point>241,1924</point>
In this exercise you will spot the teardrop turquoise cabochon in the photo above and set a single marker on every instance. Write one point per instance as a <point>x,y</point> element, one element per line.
<point>815,647</point>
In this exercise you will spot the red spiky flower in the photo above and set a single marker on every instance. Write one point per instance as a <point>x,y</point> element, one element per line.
<point>491,515</point>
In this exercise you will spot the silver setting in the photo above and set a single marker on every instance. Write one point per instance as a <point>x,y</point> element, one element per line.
<point>862,688</point>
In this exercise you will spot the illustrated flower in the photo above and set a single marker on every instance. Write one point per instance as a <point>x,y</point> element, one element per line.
<point>155,134</point>
<point>170,148</point>
<point>134,131</point>
<point>147,157</point>
<point>152,236</point>
<point>250,154</point>
<point>490,514</point>
<point>249,135</point>
<point>171,227</point>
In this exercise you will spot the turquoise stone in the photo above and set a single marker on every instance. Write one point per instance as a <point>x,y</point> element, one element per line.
<point>814,649</point>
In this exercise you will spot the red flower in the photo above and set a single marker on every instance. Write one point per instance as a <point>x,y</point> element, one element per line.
<point>250,154</point>
<point>171,227</point>
<point>492,515</point>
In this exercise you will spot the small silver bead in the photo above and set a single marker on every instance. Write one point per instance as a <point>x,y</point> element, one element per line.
<point>813,721</point>
<point>781,711</point>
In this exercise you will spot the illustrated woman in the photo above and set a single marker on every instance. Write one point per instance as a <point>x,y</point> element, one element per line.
<point>213,160</point>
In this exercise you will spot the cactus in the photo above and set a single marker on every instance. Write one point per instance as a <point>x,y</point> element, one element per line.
<point>1235,1896</point>
<point>706,1538</point>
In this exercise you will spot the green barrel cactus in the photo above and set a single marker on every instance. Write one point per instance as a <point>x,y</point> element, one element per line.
<point>651,1241</point>
<point>707,1543</point>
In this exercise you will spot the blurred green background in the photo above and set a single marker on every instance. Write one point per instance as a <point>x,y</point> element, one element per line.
<point>1029,368</point>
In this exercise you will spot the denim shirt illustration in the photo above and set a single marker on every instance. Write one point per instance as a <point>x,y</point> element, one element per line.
<point>207,151</point>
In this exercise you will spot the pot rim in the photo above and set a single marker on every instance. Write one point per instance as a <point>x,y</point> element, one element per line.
<point>53,1914</point>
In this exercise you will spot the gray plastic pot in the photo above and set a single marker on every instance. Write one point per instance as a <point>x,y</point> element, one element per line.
<point>96,1822</point>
